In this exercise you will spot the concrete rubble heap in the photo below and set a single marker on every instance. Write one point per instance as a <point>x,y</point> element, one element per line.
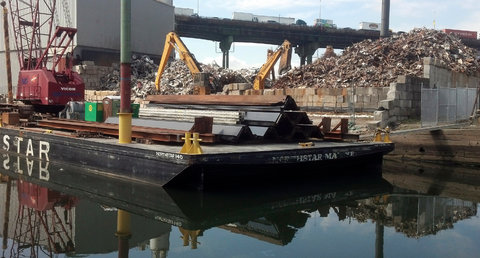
<point>176,79</point>
<point>379,63</point>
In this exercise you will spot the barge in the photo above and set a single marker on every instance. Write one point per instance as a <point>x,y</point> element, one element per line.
<point>163,163</point>
<point>296,150</point>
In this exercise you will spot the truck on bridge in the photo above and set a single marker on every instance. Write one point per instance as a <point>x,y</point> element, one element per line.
<point>262,18</point>
<point>324,23</point>
<point>463,34</point>
<point>369,26</point>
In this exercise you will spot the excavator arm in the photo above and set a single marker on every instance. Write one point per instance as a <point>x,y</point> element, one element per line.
<point>173,41</point>
<point>285,52</point>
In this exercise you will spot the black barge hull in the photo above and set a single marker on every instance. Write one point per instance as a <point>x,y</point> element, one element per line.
<point>161,164</point>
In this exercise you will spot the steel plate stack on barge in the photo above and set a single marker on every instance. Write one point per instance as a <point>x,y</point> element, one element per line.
<point>241,136</point>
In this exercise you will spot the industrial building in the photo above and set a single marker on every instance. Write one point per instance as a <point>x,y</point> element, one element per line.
<point>98,36</point>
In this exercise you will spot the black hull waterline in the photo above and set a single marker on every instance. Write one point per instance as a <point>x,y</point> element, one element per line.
<point>161,164</point>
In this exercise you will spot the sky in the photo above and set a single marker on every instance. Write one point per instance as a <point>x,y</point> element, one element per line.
<point>405,15</point>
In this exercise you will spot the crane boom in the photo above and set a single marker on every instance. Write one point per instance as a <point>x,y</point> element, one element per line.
<point>32,23</point>
<point>46,79</point>
<point>285,52</point>
<point>173,41</point>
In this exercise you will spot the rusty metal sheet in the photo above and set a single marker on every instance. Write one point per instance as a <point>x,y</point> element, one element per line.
<point>156,134</point>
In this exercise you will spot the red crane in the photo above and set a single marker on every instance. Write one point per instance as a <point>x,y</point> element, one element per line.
<point>46,79</point>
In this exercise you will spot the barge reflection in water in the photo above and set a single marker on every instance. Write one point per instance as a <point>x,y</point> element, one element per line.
<point>301,219</point>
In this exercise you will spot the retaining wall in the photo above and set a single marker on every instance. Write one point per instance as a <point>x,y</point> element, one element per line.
<point>323,99</point>
<point>404,97</point>
<point>403,102</point>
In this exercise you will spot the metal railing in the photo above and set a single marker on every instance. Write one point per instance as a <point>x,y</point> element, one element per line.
<point>447,105</point>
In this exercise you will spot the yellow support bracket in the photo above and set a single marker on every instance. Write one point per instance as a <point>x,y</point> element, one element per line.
<point>378,135</point>
<point>386,138</point>
<point>191,145</point>
<point>306,144</point>
<point>188,143</point>
<point>196,149</point>
<point>382,132</point>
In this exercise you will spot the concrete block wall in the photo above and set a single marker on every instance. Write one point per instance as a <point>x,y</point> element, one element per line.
<point>404,97</point>
<point>92,73</point>
<point>328,99</point>
<point>403,102</point>
<point>99,95</point>
<point>93,95</point>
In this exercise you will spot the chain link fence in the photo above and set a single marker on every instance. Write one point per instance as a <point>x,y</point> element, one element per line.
<point>447,105</point>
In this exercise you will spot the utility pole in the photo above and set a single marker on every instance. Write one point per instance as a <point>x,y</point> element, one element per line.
<point>385,18</point>
<point>125,115</point>
<point>7,53</point>
<point>320,11</point>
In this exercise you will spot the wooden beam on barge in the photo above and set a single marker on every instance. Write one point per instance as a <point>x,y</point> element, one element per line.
<point>286,102</point>
<point>155,134</point>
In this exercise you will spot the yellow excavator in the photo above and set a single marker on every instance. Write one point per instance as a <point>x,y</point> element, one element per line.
<point>285,52</point>
<point>200,79</point>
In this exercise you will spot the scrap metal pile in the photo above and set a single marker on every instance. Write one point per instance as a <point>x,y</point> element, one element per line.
<point>176,79</point>
<point>378,63</point>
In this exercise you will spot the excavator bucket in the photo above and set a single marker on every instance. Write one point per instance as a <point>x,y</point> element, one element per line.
<point>285,61</point>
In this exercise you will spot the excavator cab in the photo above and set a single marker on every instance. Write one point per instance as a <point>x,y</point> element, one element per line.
<point>285,61</point>
<point>202,83</point>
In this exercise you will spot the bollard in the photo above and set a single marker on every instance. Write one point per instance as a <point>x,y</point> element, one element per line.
<point>188,143</point>
<point>191,145</point>
<point>382,132</point>
<point>196,149</point>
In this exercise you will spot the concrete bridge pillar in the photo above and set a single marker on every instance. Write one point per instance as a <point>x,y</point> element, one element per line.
<point>225,45</point>
<point>306,51</point>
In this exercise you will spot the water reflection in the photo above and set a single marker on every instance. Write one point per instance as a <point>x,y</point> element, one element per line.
<point>78,212</point>
<point>421,201</point>
<point>43,221</point>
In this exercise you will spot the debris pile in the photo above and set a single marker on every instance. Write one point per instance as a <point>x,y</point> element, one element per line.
<point>223,77</point>
<point>329,52</point>
<point>378,63</point>
<point>176,79</point>
<point>142,81</point>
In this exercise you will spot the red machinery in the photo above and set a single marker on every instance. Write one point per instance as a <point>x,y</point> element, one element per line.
<point>46,79</point>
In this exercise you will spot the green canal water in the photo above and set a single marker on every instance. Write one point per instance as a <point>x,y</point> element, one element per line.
<point>413,210</point>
